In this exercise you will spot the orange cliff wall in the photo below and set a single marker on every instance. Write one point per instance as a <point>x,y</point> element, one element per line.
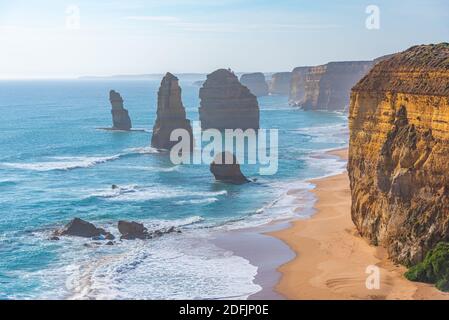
<point>399,152</point>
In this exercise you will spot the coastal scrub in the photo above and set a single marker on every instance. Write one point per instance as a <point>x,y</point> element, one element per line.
<point>434,269</point>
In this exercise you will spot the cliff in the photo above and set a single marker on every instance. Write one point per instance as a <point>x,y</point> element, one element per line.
<point>399,142</point>
<point>256,83</point>
<point>171,114</point>
<point>280,83</point>
<point>297,84</point>
<point>327,87</point>
<point>120,116</point>
<point>226,103</point>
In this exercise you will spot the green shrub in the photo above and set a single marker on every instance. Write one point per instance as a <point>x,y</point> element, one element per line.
<point>434,268</point>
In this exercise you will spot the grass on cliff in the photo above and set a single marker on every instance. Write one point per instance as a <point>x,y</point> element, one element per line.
<point>434,269</point>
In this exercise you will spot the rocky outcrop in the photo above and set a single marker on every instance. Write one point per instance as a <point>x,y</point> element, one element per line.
<point>171,114</point>
<point>226,103</point>
<point>280,83</point>
<point>328,87</point>
<point>120,116</point>
<point>132,230</point>
<point>256,83</point>
<point>399,143</point>
<point>297,85</point>
<point>80,228</point>
<point>226,168</point>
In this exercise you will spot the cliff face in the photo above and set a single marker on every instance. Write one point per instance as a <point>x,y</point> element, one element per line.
<point>328,87</point>
<point>120,116</point>
<point>227,104</point>
<point>256,83</point>
<point>297,84</point>
<point>398,155</point>
<point>171,114</point>
<point>280,83</point>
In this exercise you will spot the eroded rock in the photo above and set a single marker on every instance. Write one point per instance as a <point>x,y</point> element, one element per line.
<point>120,116</point>
<point>226,168</point>
<point>227,104</point>
<point>81,228</point>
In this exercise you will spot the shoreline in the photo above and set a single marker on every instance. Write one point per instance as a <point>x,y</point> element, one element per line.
<point>332,261</point>
<point>247,243</point>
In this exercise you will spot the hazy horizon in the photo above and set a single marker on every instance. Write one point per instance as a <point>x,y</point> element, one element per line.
<point>70,39</point>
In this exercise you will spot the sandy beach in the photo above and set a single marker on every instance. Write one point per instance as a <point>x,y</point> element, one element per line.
<point>332,261</point>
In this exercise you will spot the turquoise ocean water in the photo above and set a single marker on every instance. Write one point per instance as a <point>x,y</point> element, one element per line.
<point>55,165</point>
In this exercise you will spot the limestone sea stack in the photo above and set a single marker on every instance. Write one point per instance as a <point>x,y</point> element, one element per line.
<point>120,116</point>
<point>171,114</point>
<point>328,87</point>
<point>398,154</point>
<point>256,83</point>
<point>225,168</point>
<point>227,104</point>
<point>280,83</point>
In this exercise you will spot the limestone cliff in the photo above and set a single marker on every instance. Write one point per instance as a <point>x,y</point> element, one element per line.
<point>398,154</point>
<point>171,114</point>
<point>297,85</point>
<point>327,87</point>
<point>280,83</point>
<point>256,83</point>
<point>226,103</point>
<point>120,116</point>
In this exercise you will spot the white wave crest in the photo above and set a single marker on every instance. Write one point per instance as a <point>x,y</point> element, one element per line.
<point>197,201</point>
<point>142,150</point>
<point>62,163</point>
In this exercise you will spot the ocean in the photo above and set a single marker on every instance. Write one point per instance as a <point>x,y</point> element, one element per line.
<point>56,165</point>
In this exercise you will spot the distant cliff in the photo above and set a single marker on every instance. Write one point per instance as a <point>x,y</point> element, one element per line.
<point>297,84</point>
<point>226,103</point>
<point>328,87</point>
<point>398,154</point>
<point>280,83</point>
<point>256,83</point>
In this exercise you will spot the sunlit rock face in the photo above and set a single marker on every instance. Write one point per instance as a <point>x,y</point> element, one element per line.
<point>256,83</point>
<point>120,116</point>
<point>227,104</point>
<point>398,154</point>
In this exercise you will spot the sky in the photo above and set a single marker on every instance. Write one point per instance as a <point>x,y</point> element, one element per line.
<point>59,38</point>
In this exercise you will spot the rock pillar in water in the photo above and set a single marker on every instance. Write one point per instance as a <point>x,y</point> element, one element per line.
<point>227,104</point>
<point>120,116</point>
<point>171,114</point>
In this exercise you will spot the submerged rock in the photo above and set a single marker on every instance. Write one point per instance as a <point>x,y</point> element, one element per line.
<point>120,116</point>
<point>227,104</point>
<point>171,114</point>
<point>256,83</point>
<point>80,228</point>
<point>226,168</point>
<point>132,230</point>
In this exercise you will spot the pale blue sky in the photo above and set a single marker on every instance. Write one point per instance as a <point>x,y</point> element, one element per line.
<point>154,36</point>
